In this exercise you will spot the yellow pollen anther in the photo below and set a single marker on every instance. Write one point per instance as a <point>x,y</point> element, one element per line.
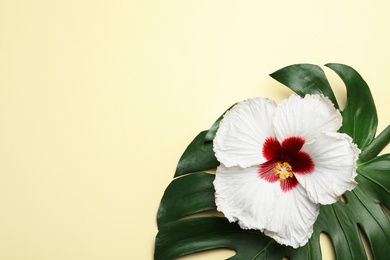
<point>283,171</point>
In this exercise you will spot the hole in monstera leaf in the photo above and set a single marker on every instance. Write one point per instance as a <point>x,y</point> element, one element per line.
<point>344,199</point>
<point>338,87</point>
<point>220,253</point>
<point>206,213</point>
<point>366,244</point>
<point>327,248</point>
<point>385,210</point>
<point>212,171</point>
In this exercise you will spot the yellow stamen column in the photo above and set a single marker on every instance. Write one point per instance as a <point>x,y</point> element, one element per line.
<point>283,171</point>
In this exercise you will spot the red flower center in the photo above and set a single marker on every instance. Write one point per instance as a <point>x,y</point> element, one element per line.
<point>288,153</point>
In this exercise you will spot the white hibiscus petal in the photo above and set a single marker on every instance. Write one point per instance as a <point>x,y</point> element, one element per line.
<point>334,157</point>
<point>242,132</point>
<point>306,117</point>
<point>242,196</point>
<point>293,218</point>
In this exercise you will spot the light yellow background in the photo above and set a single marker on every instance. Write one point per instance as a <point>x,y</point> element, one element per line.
<point>98,100</point>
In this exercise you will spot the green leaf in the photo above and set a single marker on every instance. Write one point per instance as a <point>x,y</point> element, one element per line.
<point>359,116</point>
<point>363,212</point>
<point>196,234</point>
<point>199,156</point>
<point>194,193</point>
<point>305,79</point>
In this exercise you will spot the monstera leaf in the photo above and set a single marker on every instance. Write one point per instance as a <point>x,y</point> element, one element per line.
<point>363,209</point>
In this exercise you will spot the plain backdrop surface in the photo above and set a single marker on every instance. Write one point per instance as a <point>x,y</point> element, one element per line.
<point>98,100</point>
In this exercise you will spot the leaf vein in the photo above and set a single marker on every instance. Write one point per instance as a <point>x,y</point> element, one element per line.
<point>262,250</point>
<point>374,181</point>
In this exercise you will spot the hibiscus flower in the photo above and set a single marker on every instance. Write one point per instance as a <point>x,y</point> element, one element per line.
<point>279,162</point>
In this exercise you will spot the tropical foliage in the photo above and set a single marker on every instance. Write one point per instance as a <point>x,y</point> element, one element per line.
<point>363,209</point>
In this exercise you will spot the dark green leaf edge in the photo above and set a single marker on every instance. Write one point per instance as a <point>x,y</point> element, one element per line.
<point>194,193</point>
<point>214,128</point>
<point>198,156</point>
